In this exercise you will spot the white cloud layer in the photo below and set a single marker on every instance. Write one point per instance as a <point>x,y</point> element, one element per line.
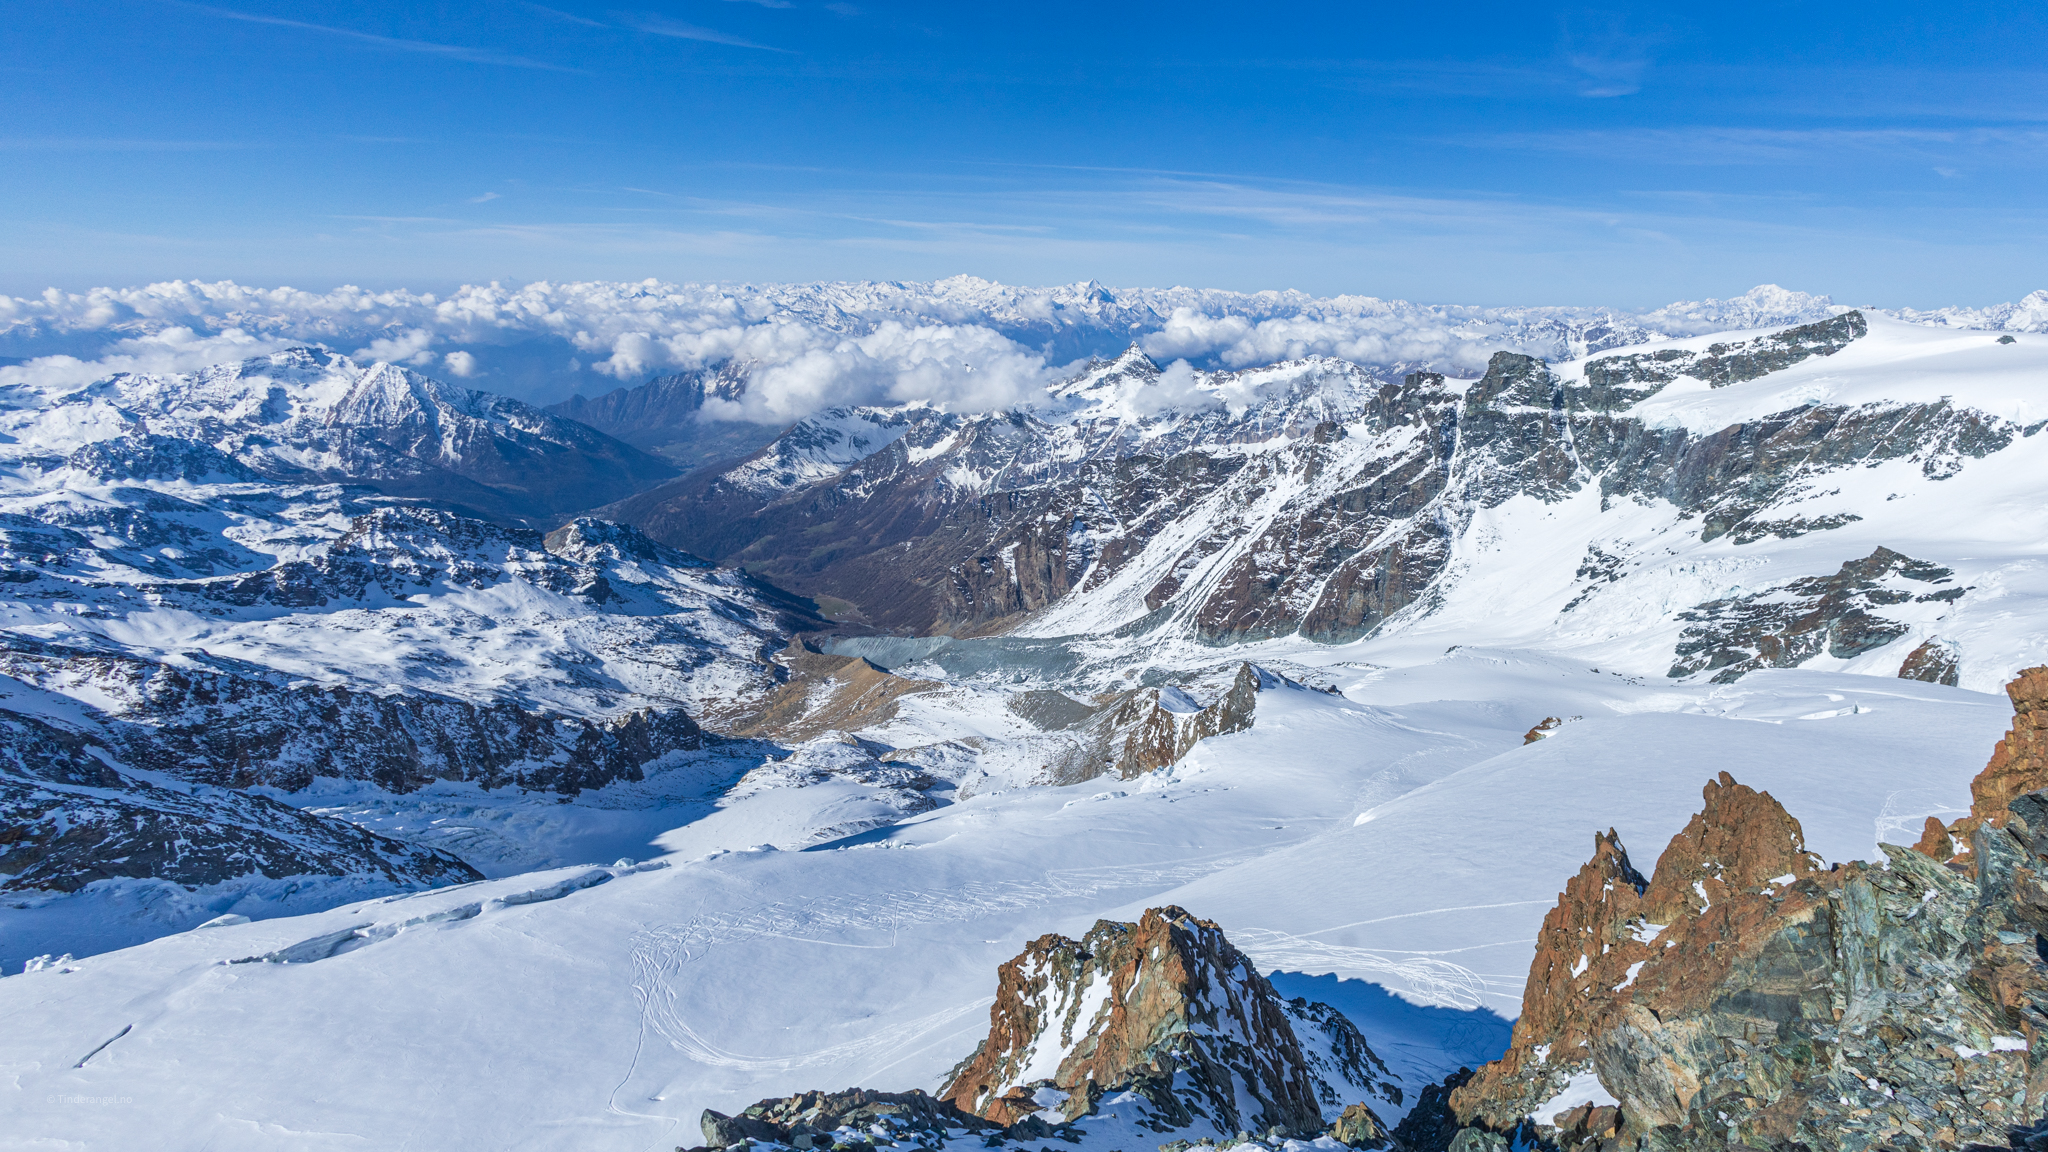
<point>964,344</point>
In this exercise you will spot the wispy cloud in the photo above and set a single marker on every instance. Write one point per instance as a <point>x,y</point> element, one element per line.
<point>558,14</point>
<point>483,199</point>
<point>392,43</point>
<point>663,26</point>
<point>765,3</point>
<point>1718,145</point>
<point>95,144</point>
<point>1609,58</point>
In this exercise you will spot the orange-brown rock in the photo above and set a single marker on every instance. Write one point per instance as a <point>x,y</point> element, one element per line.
<point>1716,892</point>
<point>1168,1009</point>
<point>1747,995</point>
<point>1150,728</point>
<point>1934,661</point>
<point>826,693</point>
<point>2019,765</point>
<point>1543,728</point>
<point>2020,762</point>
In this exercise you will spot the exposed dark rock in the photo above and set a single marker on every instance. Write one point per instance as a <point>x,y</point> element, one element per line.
<point>1721,364</point>
<point>820,1114</point>
<point>664,415</point>
<point>1753,530</point>
<point>1430,1126</point>
<point>1786,626</point>
<point>231,724</point>
<point>1935,661</point>
<point>68,818</point>
<point>1748,995</point>
<point>1167,1009</point>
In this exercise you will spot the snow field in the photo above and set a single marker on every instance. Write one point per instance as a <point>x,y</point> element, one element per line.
<point>609,1017</point>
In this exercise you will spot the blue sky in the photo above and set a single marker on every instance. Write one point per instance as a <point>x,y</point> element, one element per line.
<point>1489,153</point>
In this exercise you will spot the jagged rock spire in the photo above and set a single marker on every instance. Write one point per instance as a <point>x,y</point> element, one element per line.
<point>1750,995</point>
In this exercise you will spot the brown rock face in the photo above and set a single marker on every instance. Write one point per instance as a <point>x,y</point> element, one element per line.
<point>827,694</point>
<point>2019,765</point>
<point>1169,1010</point>
<point>1935,662</point>
<point>2020,762</point>
<point>1602,948</point>
<point>1747,995</point>
<point>1143,733</point>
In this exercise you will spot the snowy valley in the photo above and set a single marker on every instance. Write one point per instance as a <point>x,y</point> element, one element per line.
<point>332,690</point>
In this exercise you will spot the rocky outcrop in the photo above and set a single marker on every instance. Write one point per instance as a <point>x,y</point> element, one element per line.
<point>1165,1009</point>
<point>1842,615</point>
<point>1934,661</point>
<point>1162,1019</point>
<point>1748,995</point>
<point>849,1121</point>
<point>1151,728</point>
<point>232,724</point>
<point>2018,767</point>
<point>1140,730</point>
<point>1622,380</point>
<point>69,818</point>
<point>1360,1127</point>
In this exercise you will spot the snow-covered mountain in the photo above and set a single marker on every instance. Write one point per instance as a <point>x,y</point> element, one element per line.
<point>1345,657</point>
<point>228,586</point>
<point>1847,491</point>
<point>306,416</point>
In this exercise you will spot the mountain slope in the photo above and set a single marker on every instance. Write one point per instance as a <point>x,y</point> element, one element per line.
<point>665,415</point>
<point>1318,499</point>
<point>219,591</point>
<point>310,417</point>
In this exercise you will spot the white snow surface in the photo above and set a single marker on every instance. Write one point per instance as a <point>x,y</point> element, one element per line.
<point>609,1016</point>
<point>1584,1088</point>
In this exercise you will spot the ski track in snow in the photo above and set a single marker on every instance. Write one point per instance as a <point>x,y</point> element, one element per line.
<point>1428,976</point>
<point>660,954</point>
